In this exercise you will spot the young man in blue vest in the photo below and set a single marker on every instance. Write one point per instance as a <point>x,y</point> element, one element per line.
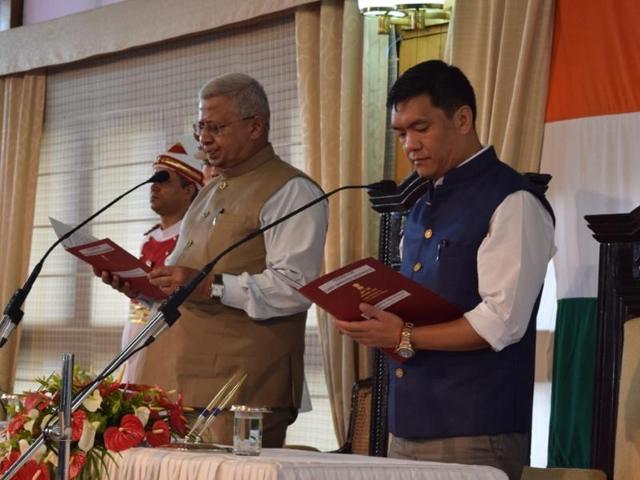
<point>481,237</point>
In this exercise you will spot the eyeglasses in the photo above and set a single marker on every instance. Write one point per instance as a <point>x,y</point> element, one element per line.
<point>213,128</point>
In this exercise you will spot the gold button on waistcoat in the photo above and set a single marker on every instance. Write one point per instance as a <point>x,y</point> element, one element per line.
<point>205,214</point>
<point>428,233</point>
<point>223,185</point>
<point>399,373</point>
<point>189,243</point>
<point>417,267</point>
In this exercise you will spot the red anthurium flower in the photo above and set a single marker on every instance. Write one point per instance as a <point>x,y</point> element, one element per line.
<point>36,400</point>
<point>28,471</point>
<point>164,402</point>
<point>46,472</point>
<point>9,460</point>
<point>107,388</point>
<point>176,414</point>
<point>16,423</point>
<point>159,434</point>
<point>134,387</point>
<point>77,423</point>
<point>33,471</point>
<point>178,422</point>
<point>157,412</point>
<point>179,403</point>
<point>76,464</point>
<point>129,434</point>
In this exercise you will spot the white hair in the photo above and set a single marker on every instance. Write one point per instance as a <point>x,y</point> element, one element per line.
<point>246,92</point>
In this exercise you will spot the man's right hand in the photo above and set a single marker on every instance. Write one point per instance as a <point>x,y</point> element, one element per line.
<point>115,282</point>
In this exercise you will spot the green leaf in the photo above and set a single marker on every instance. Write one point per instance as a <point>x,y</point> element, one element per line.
<point>105,466</point>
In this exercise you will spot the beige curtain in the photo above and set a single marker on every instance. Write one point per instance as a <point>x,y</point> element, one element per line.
<point>378,52</point>
<point>329,58</point>
<point>504,47</point>
<point>21,119</point>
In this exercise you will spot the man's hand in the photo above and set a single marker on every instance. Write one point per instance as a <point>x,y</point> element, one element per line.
<point>381,330</point>
<point>116,282</point>
<point>169,278</point>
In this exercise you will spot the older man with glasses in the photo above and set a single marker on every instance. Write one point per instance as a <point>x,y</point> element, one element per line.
<point>246,316</point>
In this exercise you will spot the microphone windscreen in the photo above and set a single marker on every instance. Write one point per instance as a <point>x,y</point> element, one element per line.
<point>402,198</point>
<point>383,186</point>
<point>159,177</point>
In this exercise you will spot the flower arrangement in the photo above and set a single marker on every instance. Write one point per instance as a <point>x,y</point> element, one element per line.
<point>114,418</point>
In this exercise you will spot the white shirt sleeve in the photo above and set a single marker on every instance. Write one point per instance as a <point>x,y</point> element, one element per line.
<point>295,249</point>
<point>512,262</point>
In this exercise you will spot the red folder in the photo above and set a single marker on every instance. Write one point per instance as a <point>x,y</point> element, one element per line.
<point>107,255</point>
<point>341,292</point>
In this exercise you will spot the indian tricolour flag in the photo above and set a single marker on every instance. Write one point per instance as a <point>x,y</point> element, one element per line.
<point>592,149</point>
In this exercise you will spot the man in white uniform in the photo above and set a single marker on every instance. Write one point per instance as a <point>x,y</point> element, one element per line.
<point>170,200</point>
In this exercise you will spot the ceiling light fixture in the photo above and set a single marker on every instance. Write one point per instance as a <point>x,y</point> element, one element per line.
<point>406,14</point>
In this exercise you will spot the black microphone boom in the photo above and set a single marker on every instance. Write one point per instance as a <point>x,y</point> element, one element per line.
<point>169,307</point>
<point>12,314</point>
<point>383,187</point>
<point>168,310</point>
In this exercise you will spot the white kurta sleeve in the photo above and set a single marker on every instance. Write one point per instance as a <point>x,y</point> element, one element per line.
<point>295,250</point>
<point>512,262</point>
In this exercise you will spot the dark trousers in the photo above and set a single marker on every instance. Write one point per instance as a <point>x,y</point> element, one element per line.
<point>507,452</point>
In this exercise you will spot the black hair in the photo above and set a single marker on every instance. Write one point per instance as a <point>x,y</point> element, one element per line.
<point>446,86</point>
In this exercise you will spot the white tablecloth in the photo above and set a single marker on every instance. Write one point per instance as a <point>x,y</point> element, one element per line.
<point>286,464</point>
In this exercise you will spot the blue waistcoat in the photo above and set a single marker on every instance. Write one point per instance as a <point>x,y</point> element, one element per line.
<point>482,392</point>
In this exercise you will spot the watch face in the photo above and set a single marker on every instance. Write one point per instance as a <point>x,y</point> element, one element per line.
<point>405,352</point>
<point>216,290</point>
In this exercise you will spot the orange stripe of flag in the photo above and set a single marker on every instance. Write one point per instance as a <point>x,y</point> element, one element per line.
<point>595,61</point>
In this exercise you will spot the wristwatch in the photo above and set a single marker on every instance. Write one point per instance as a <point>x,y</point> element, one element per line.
<point>404,348</point>
<point>216,289</point>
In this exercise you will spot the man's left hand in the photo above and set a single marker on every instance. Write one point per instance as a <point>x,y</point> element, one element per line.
<point>170,277</point>
<point>382,329</point>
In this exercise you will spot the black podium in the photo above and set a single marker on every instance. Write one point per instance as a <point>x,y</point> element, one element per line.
<point>618,301</point>
<point>389,254</point>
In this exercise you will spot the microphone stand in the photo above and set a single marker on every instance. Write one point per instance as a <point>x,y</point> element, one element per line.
<point>62,433</point>
<point>168,314</point>
<point>13,313</point>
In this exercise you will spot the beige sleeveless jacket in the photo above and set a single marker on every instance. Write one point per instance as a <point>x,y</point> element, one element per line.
<point>211,341</point>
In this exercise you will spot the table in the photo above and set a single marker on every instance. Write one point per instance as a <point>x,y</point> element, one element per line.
<point>286,464</point>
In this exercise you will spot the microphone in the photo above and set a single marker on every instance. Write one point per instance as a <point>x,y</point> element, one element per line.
<point>383,187</point>
<point>169,307</point>
<point>12,314</point>
<point>168,310</point>
<point>402,198</point>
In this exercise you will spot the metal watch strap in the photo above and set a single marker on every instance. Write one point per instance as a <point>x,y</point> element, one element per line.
<point>405,334</point>
<point>405,348</point>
